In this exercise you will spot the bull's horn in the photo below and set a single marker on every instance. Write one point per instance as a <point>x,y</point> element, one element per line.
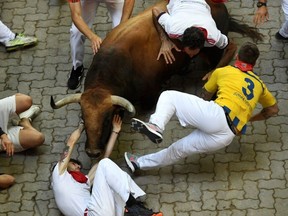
<point>117,100</point>
<point>75,98</point>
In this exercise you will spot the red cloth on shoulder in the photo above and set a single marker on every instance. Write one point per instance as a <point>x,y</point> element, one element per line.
<point>78,176</point>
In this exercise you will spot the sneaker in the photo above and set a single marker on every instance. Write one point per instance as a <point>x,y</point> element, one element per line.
<point>20,41</point>
<point>75,77</point>
<point>131,161</point>
<point>138,209</point>
<point>31,113</point>
<point>278,36</point>
<point>153,132</point>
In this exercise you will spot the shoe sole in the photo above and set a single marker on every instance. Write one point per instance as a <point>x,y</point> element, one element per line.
<point>17,47</point>
<point>141,127</point>
<point>129,163</point>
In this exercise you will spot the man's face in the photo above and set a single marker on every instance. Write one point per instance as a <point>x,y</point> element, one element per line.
<point>191,52</point>
<point>72,166</point>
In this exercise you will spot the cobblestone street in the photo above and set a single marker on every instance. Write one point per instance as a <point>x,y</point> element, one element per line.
<point>248,178</point>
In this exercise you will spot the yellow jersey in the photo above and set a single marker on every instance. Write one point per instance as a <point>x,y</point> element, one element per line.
<point>238,93</point>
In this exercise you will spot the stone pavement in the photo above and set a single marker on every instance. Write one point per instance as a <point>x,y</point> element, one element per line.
<point>249,177</point>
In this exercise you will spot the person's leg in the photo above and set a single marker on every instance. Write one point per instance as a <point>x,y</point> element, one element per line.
<point>207,137</point>
<point>196,142</point>
<point>109,181</point>
<point>6,181</point>
<point>284,29</point>
<point>5,33</point>
<point>30,137</point>
<point>23,102</point>
<point>77,39</point>
<point>25,136</point>
<point>115,9</point>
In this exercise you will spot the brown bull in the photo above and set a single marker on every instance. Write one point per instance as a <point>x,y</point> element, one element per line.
<point>126,66</point>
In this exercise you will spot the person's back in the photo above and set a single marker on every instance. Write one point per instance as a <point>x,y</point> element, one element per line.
<point>239,89</point>
<point>240,92</point>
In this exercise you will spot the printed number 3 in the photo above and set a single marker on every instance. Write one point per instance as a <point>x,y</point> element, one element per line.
<point>248,91</point>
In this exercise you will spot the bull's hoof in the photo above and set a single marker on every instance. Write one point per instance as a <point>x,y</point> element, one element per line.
<point>95,153</point>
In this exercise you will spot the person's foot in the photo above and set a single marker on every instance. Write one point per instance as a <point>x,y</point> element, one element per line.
<point>153,132</point>
<point>20,41</point>
<point>131,161</point>
<point>75,77</point>
<point>30,114</point>
<point>139,209</point>
<point>278,36</point>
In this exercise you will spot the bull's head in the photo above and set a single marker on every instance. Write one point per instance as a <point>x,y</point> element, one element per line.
<point>98,108</point>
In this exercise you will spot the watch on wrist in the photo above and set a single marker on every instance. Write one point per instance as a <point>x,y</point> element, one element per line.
<point>260,4</point>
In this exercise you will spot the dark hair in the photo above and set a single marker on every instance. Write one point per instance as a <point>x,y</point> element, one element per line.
<point>193,38</point>
<point>76,161</point>
<point>248,53</point>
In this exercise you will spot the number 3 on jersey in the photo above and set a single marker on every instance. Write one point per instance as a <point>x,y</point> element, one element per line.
<point>248,91</point>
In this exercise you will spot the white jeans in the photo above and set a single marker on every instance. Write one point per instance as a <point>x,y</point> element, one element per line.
<point>212,131</point>
<point>5,33</point>
<point>284,29</point>
<point>111,189</point>
<point>89,8</point>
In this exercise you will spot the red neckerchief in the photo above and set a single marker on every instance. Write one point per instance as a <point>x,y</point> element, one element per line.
<point>243,66</point>
<point>78,176</point>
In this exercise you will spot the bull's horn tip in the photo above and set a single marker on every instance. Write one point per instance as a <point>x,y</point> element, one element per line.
<point>52,103</point>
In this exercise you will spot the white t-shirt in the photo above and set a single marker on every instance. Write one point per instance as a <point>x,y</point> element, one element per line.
<point>71,196</point>
<point>183,14</point>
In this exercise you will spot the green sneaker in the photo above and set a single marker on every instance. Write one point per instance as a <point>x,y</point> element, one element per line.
<point>20,41</point>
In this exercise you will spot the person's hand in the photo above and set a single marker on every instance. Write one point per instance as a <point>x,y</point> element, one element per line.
<point>261,16</point>
<point>95,43</point>
<point>207,76</point>
<point>166,51</point>
<point>7,145</point>
<point>117,122</point>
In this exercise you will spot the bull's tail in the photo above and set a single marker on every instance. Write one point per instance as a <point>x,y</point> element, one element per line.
<point>244,29</point>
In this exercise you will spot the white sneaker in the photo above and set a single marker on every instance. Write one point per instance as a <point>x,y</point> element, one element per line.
<point>31,113</point>
<point>20,41</point>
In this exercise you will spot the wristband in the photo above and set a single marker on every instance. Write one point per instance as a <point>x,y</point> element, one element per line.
<point>115,132</point>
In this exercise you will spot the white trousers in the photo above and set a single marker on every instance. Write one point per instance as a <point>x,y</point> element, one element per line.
<point>212,131</point>
<point>8,109</point>
<point>284,29</point>
<point>111,189</point>
<point>89,8</point>
<point>5,33</point>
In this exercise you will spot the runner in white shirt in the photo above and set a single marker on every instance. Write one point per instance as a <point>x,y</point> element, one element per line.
<point>181,20</point>
<point>113,190</point>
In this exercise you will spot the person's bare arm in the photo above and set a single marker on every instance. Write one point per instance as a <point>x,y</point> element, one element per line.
<point>261,14</point>
<point>66,155</point>
<point>204,94</point>
<point>166,44</point>
<point>127,10</point>
<point>76,15</point>
<point>265,113</point>
<point>117,122</point>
